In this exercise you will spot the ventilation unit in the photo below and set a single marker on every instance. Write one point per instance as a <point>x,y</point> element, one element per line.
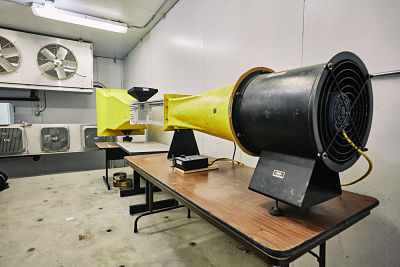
<point>89,138</point>
<point>48,63</point>
<point>12,141</point>
<point>54,139</point>
<point>57,62</point>
<point>10,58</point>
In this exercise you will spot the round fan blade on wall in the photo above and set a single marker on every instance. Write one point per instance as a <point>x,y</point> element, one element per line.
<point>61,53</point>
<point>57,62</point>
<point>61,73</point>
<point>47,66</point>
<point>5,64</point>
<point>69,64</point>
<point>9,52</point>
<point>46,52</point>
<point>9,56</point>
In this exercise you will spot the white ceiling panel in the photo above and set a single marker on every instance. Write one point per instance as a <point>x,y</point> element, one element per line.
<point>106,44</point>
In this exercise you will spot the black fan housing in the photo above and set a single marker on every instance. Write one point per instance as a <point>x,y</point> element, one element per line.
<point>302,112</point>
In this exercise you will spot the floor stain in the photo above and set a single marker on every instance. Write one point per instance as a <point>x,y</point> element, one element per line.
<point>83,237</point>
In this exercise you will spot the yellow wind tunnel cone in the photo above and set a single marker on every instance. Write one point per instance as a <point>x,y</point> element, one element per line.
<point>112,106</point>
<point>208,112</point>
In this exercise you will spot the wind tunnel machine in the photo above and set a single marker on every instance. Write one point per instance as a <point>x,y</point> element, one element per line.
<point>293,120</point>
<point>113,110</point>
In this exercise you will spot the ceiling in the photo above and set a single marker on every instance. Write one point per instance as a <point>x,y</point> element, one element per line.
<point>106,44</point>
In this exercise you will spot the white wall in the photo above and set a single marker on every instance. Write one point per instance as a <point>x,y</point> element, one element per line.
<point>205,44</point>
<point>63,108</point>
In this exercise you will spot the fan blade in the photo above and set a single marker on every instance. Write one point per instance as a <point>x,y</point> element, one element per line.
<point>62,53</point>
<point>60,73</point>
<point>69,64</point>
<point>6,64</point>
<point>9,52</point>
<point>47,66</point>
<point>46,52</point>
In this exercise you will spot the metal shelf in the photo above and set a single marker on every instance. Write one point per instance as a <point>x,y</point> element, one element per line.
<point>18,86</point>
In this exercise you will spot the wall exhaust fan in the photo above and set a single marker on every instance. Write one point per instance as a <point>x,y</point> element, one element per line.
<point>12,140</point>
<point>90,138</point>
<point>57,62</point>
<point>9,56</point>
<point>48,63</point>
<point>54,139</point>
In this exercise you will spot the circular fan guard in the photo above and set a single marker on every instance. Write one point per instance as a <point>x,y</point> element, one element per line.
<point>345,103</point>
<point>57,62</point>
<point>10,58</point>
<point>303,112</point>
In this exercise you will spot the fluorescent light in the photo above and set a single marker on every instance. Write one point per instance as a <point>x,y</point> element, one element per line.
<point>50,12</point>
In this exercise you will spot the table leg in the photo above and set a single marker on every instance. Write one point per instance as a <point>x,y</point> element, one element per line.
<point>322,254</point>
<point>155,205</point>
<point>152,207</point>
<point>136,190</point>
<point>321,258</point>
<point>105,178</point>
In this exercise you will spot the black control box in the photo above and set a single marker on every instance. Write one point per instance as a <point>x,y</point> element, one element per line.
<point>192,162</point>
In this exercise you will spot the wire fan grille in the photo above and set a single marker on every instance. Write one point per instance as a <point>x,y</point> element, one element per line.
<point>91,138</point>
<point>57,62</point>
<point>11,140</point>
<point>9,56</point>
<point>344,105</point>
<point>55,139</point>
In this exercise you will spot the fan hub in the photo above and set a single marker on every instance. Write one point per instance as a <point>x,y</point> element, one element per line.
<point>58,62</point>
<point>341,110</point>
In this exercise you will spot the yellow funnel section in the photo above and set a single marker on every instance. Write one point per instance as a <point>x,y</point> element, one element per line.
<point>113,116</point>
<point>208,112</point>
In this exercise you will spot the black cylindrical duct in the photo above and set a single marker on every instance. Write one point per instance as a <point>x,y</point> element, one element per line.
<point>302,112</point>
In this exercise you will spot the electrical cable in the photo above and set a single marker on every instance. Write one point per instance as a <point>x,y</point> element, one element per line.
<point>234,151</point>
<point>225,159</point>
<point>365,156</point>
<point>84,76</point>
<point>99,83</point>
<point>151,18</point>
<point>45,105</point>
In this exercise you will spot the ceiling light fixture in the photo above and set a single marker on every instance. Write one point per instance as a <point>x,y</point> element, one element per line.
<point>49,11</point>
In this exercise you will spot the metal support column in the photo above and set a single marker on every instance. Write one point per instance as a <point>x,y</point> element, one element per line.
<point>321,258</point>
<point>136,190</point>
<point>105,178</point>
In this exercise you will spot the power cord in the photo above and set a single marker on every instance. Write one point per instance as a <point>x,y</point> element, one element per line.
<point>37,113</point>
<point>225,159</point>
<point>364,155</point>
<point>234,151</point>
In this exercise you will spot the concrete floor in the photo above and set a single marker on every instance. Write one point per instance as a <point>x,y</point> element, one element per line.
<point>34,230</point>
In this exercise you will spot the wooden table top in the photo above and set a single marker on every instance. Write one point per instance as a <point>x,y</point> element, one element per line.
<point>106,145</point>
<point>223,194</point>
